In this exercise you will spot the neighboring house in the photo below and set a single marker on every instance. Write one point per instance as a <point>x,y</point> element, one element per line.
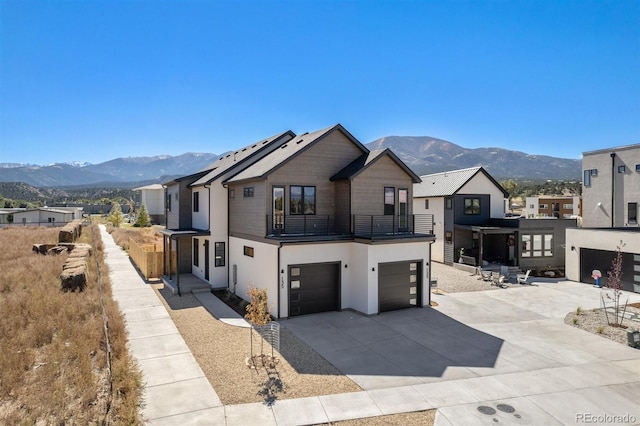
<point>457,200</point>
<point>610,198</point>
<point>317,220</point>
<point>153,198</point>
<point>552,206</point>
<point>611,187</point>
<point>468,207</point>
<point>43,216</point>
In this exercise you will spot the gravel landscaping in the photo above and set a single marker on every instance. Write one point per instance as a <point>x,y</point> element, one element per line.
<point>595,321</point>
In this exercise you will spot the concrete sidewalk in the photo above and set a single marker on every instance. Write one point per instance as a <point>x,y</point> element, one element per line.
<point>176,389</point>
<point>521,365</point>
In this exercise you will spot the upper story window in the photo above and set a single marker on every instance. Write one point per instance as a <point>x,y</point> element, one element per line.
<point>248,192</point>
<point>472,206</point>
<point>567,206</point>
<point>219,254</point>
<point>586,180</point>
<point>543,206</point>
<point>594,172</point>
<point>302,199</point>
<point>426,204</point>
<point>448,203</point>
<point>622,169</point>
<point>389,200</point>
<point>168,201</point>
<point>637,167</point>
<point>196,201</point>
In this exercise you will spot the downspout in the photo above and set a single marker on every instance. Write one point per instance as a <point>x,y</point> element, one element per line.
<point>613,186</point>
<point>229,267</point>
<point>279,282</point>
<point>429,274</point>
<point>178,266</point>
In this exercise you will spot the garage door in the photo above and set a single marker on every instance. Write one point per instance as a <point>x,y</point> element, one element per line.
<point>399,285</point>
<point>314,288</point>
<point>591,259</point>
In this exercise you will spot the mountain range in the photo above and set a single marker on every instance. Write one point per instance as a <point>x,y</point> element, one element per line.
<point>423,154</point>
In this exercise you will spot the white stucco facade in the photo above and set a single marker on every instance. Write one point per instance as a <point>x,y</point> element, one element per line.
<point>481,184</point>
<point>598,239</point>
<point>358,269</point>
<point>436,208</point>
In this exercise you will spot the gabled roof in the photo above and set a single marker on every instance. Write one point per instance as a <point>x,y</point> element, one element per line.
<point>361,163</point>
<point>227,162</point>
<point>449,183</point>
<point>289,150</point>
<point>193,177</point>
<point>152,186</point>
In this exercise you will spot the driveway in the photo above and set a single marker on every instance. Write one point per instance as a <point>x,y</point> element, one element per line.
<point>487,356</point>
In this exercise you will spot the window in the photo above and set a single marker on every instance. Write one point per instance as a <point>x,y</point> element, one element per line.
<point>232,193</point>
<point>536,245</point>
<point>219,254</point>
<point>567,206</point>
<point>196,201</point>
<point>426,204</point>
<point>278,207</point>
<point>196,252</point>
<point>248,192</point>
<point>168,202</point>
<point>389,200</point>
<point>448,236</point>
<point>302,199</point>
<point>448,203</point>
<point>472,206</point>
<point>531,206</point>
<point>543,206</point>
<point>632,213</point>
<point>637,167</point>
<point>594,172</point>
<point>622,169</point>
<point>586,180</point>
<point>248,251</point>
<point>403,212</point>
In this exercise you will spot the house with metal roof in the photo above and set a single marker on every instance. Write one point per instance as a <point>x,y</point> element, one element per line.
<point>316,219</point>
<point>468,207</point>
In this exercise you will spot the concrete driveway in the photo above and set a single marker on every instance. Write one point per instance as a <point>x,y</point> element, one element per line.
<point>485,357</point>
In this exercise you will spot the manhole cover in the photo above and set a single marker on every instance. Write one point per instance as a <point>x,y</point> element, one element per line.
<point>506,408</point>
<point>486,410</point>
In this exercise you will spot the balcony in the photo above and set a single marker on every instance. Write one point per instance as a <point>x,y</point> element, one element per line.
<point>360,226</point>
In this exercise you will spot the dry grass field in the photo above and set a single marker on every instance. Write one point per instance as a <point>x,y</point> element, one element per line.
<point>53,359</point>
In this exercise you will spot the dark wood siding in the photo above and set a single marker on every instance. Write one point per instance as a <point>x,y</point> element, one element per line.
<point>367,188</point>
<point>247,215</point>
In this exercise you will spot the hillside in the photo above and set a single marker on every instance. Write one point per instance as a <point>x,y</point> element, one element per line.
<point>426,155</point>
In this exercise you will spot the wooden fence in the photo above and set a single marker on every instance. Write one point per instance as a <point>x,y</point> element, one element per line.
<point>149,258</point>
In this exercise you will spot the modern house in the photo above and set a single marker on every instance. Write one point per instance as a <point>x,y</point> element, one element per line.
<point>552,206</point>
<point>468,207</point>
<point>153,198</point>
<point>317,220</point>
<point>610,198</point>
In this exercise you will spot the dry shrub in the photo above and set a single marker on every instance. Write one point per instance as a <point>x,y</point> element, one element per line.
<point>53,368</point>
<point>141,236</point>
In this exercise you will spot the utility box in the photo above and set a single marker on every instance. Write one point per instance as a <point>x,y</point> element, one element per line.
<point>633,338</point>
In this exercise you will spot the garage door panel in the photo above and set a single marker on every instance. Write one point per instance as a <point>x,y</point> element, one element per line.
<point>314,288</point>
<point>398,285</point>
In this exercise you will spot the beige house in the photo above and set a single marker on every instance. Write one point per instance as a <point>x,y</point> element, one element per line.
<point>610,197</point>
<point>317,219</point>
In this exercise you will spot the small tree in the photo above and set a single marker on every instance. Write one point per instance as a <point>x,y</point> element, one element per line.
<point>115,216</point>
<point>257,314</point>
<point>143,219</point>
<point>614,283</point>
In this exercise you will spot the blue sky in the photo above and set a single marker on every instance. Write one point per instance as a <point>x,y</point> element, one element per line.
<point>95,80</point>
